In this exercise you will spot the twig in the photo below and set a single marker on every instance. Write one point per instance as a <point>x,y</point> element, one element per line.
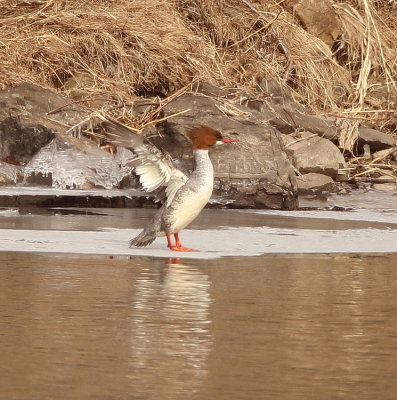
<point>168,100</point>
<point>55,110</point>
<point>365,172</point>
<point>383,156</point>
<point>287,112</point>
<point>156,121</point>
<point>297,172</point>
<point>76,129</point>
<point>387,173</point>
<point>252,8</point>
<point>367,111</point>
<point>383,172</point>
<point>57,122</point>
<point>228,109</point>
<point>300,140</point>
<point>371,180</point>
<point>386,166</point>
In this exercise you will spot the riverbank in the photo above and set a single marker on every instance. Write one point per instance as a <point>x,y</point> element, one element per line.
<point>307,87</point>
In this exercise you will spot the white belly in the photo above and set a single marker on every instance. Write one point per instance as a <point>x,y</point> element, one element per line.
<point>189,208</point>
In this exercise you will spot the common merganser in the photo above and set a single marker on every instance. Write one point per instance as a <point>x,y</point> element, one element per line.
<point>182,197</point>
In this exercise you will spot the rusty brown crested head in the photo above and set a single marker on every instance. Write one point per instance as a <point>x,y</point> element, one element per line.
<point>203,137</point>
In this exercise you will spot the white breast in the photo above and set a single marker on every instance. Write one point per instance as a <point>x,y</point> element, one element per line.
<point>194,195</point>
<point>189,208</point>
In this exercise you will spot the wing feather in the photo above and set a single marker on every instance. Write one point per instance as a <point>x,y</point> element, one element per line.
<point>175,183</point>
<point>154,167</point>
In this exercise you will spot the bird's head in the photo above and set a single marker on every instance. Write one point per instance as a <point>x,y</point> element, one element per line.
<point>203,137</point>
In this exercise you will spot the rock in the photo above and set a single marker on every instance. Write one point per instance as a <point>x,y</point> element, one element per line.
<point>375,139</point>
<point>256,172</point>
<point>323,127</point>
<point>291,117</point>
<point>315,183</point>
<point>277,93</point>
<point>10,174</point>
<point>78,87</point>
<point>210,90</point>
<point>253,173</point>
<point>319,18</point>
<point>382,96</point>
<point>18,143</point>
<point>314,154</point>
<point>385,187</point>
<point>367,152</point>
<point>273,114</point>
<point>37,106</point>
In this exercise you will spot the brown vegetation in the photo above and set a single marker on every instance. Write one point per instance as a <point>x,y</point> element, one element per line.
<point>118,50</point>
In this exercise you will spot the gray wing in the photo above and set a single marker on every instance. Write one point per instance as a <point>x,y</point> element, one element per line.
<point>154,167</point>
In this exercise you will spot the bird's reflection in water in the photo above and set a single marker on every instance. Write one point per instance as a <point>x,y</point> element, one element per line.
<point>171,336</point>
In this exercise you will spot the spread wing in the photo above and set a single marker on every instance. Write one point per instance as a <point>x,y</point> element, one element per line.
<point>154,167</point>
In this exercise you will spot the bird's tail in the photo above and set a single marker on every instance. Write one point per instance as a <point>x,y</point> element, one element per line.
<point>143,239</point>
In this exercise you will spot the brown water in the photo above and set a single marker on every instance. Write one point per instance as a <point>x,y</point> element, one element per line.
<point>271,327</point>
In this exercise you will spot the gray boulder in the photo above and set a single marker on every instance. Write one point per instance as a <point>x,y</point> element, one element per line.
<point>291,117</point>
<point>277,93</point>
<point>315,183</point>
<point>37,106</point>
<point>375,139</point>
<point>314,154</point>
<point>18,142</point>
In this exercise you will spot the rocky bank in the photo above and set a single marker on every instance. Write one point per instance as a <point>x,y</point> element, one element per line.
<point>283,150</point>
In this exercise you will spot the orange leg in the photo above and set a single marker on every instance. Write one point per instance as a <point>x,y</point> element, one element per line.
<point>178,245</point>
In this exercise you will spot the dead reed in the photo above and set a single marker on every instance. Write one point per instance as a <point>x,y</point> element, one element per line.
<point>111,52</point>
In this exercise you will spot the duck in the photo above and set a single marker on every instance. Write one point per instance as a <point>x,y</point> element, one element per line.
<point>182,196</point>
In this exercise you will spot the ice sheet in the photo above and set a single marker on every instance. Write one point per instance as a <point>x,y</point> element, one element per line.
<point>224,242</point>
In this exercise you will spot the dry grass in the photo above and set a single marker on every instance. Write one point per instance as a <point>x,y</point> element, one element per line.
<point>118,50</point>
<point>125,49</point>
<point>379,169</point>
